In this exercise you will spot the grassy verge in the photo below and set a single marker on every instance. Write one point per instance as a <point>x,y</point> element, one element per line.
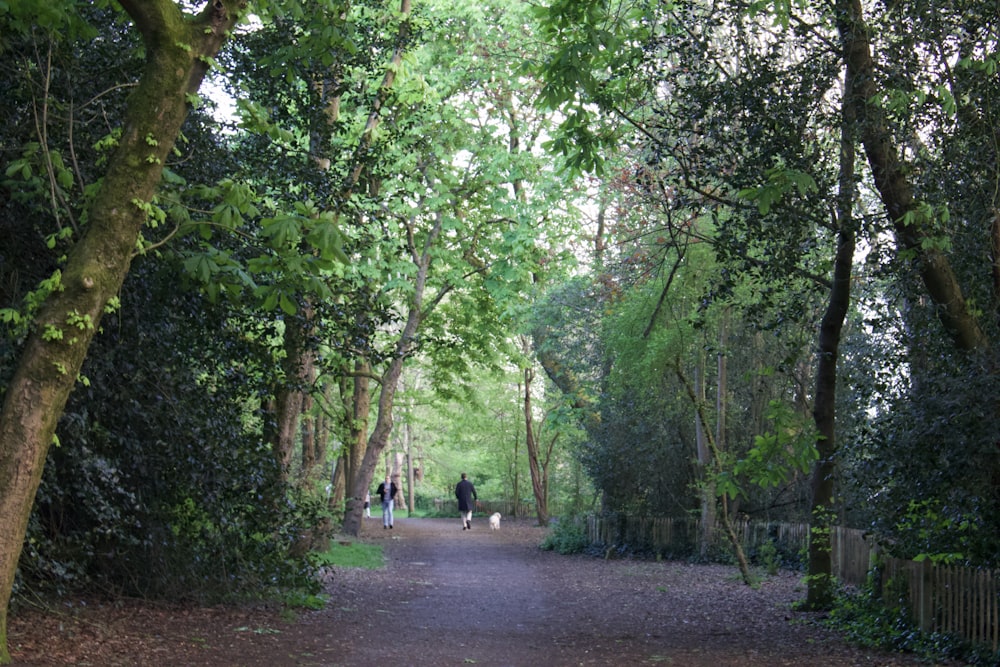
<point>345,553</point>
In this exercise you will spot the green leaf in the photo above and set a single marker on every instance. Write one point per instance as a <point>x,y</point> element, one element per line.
<point>287,305</point>
<point>283,231</point>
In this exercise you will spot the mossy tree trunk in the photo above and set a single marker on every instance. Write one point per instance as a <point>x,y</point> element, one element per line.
<point>178,47</point>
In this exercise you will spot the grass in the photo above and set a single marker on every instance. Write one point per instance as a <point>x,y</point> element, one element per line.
<point>343,553</point>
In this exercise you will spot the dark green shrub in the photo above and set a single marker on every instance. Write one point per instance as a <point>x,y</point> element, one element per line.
<point>567,535</point>
<point>165,484</point>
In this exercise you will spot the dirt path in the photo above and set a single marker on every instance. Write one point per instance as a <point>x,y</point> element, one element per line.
<point>480,597</point>
<point>452,597</point>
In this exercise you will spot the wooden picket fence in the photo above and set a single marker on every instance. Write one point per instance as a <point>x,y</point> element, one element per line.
<point>959,601</point>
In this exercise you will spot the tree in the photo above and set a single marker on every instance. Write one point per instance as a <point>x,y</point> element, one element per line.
<point>459,228</point>
<point>539,455</point>
<point>916,118</point>
<point>931,154</point>
<point>179,48</point>
<point>821,588</point>
<point>703,136</point>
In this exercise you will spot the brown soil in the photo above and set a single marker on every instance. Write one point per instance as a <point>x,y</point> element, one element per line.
<point>480,597</point>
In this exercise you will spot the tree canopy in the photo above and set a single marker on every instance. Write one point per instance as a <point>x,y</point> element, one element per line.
<point>702,259</point>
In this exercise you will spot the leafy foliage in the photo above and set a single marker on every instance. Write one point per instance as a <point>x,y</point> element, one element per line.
<point>164,485</point>
<point>566,536</point>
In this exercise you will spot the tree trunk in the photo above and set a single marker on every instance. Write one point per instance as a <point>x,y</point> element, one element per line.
<point>894,189</point>
<point>410,476</point>
<point>288,399</point>
<point>398,468</point>
<point>517,477</point>
<point>355,488</point>
<point>390,378</point>
<point>720,392</point>
<point>364,455</point>
<point>379,439</point>
<point>308,435</point>
<point>338,483</point>
<point>323,432</point>
<point>537,479</point>
<point>53,355</point>
<point>709,499</point>
<point>345,389</point>
<point>291,396</point>
<point>406,468</point>
<point>308,420</point>
<point>727,522</point>
<point>820,582</point>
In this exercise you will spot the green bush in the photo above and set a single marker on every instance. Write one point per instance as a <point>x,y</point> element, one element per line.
<point>768,558</point>
<point>567,536</point>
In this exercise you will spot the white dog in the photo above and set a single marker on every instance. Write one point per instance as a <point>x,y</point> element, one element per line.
<point>495,521</point>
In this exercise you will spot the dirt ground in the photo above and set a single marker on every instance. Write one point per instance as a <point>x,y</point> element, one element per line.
<point>452,597</point>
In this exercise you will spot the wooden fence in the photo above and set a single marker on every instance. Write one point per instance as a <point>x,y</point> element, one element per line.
<point>509,509</point>
<point>959,601</point>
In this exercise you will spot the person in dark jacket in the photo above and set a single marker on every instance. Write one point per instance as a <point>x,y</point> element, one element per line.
<point>387,492</point>
<point>466,494</point>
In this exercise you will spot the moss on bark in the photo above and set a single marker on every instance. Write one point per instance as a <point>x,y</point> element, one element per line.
<point>97,266</point>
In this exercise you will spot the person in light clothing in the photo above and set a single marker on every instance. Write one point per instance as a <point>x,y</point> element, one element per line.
<point>387,492</point>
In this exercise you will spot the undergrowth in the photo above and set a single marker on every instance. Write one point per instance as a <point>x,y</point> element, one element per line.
<point>865,620</point>
<point>567,536</point>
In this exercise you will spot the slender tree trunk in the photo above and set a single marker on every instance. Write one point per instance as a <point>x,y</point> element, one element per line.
<point>355,487</point>
<point>308,421</point>
<point>727,522</point>
<point>379,439</point>
<point>177,49</point>
<point>406,468</point>
<point>410,476</point>
<point>359,476</point>
<point>820,581</point>
<point>721,388</point>
<point>539,474</point>
<point>398,469</point>
<point>344,434</point>
<point>322,428</point>
<point>531,442</point>
<point>708,497</point>
<point>288,397</point>
<point>338,481</point>
<point>517,467</point>
<point>546,467</point>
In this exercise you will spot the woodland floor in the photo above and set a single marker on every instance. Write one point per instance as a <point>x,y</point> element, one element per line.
<point>480,597</point>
